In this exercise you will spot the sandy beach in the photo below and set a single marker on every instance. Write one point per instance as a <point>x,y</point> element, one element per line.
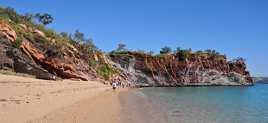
<point>25,99</point>
<point>103,108</point>
<point>29,100</point>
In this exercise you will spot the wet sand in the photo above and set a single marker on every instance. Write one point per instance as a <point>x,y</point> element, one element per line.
<point>136,108</point>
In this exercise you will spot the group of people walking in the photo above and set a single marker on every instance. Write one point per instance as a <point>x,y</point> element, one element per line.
<point>116,83</point>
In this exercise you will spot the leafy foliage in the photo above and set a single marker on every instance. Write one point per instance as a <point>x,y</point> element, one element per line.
<point>105,71</point>
<point>86,45</point>
<point>43,18</point>
<point>64,34</point>
<point>183,54</point>
<point>54,51</point>
<point>78,37</point>
<point>239,59</point>
<point>165,50</point>
<point>17,42</point>
<point>121,47</point>
<point>11,14</point>
<point>29,36</point>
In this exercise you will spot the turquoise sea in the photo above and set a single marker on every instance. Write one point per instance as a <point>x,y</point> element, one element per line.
<point>211,104</point>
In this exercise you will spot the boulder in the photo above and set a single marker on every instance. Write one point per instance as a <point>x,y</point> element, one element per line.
<point>23,26</point>
<point>39,33</point>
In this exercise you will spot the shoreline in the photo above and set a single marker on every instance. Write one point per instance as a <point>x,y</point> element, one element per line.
<point>137,108</point>
<point>29,100</point>
<point>120,106</point>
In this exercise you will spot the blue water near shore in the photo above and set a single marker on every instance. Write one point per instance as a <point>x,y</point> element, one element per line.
<point>212,104</point>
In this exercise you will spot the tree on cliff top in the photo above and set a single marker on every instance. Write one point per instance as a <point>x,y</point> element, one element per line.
<point>44,18</point>
<point>121,47</point>
<point>78,37</point>
<point>183,54</point>
<point>85,43</point>
<point>212,52</point>
<point>165,50</point>
<point>239,59</point>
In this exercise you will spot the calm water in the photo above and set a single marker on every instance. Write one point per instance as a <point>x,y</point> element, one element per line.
<point>212,104</point>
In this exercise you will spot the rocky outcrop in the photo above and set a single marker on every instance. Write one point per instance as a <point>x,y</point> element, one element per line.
<point>39,33</point>
<point>54,65</point>
<point>7,32</point>
<point>168,70</point>
<point>15,60</point>
<point>31,60</point>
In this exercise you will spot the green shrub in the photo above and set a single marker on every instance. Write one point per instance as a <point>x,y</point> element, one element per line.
<point>39,39</point>
<point>44,18</point>
<point>39,27</point>
<point>4,16</point>
<point>221,58</point>
<point>54,51</point>
<point>19,30</point>
<point>50,33</point>
<point>165,50</point>
<point>17,42</point>
<point>93,63</point>
<point>183,54</point>
<point>105,71</point>
<point>161,55</point>
<point>29,36</point>
<point>121,47</point>
<point>11,14</point>
<point>119,52</point>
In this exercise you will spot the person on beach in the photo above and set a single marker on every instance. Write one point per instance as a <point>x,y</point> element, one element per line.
<point>114,85</point>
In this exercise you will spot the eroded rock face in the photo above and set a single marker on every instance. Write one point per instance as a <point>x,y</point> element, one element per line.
<point>170,71</point>
<point>54,65</point>
<point>6,63</point>
<point>15,60</point>
<point>7,32</point>
<point>30,59</point>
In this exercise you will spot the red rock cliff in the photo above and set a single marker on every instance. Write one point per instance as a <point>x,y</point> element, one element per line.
<point>169,70</point>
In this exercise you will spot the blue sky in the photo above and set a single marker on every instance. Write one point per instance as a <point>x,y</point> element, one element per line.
<point>237,28</point>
